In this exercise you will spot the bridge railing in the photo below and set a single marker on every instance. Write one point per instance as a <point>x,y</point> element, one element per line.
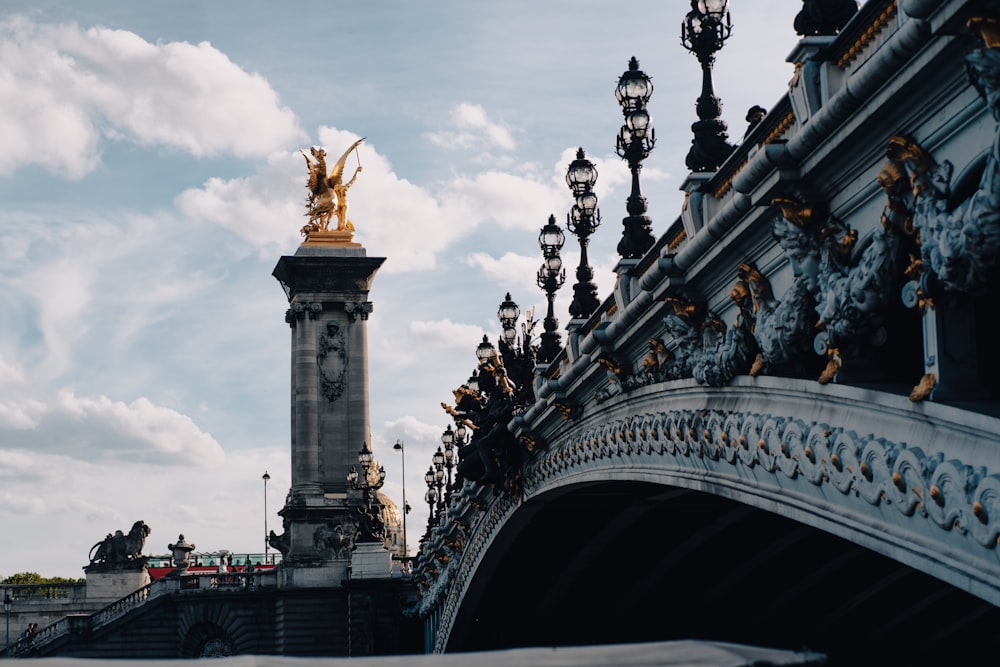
<point>185,584</point>
<point>66,591</point>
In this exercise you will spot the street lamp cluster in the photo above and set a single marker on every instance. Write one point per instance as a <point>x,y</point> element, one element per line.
<point>551,276</point>
<point>371,527</point>
<point>481,450</point>
<point>438,477</point>
<point>583,220</point>
<point>635,141</point>
<point>704,32</point>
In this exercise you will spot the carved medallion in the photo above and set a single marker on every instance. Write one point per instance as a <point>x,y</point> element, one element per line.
<point>332,361</point>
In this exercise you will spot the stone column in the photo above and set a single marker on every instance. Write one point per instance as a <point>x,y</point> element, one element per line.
<point>327,288</point>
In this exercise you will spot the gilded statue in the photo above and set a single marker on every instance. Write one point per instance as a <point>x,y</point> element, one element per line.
<point>328,191</point>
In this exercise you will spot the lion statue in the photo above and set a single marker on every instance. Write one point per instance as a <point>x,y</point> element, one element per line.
<point>119,549</point>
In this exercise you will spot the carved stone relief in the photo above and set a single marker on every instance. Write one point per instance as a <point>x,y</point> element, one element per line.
<point>331,358</point>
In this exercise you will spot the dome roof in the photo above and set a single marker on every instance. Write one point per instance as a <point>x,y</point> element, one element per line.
<point>393,520</point>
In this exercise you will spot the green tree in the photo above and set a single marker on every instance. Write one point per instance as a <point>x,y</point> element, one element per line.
<point>25,578</point>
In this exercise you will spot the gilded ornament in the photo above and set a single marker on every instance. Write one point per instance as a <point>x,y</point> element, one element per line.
<point>923,388</point>
<point>900,483</point>
<point>328,196</point>
<point>980,512</point>
<point>987,28</point>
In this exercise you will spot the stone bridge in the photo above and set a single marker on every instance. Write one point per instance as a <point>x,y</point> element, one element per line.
<point>780,429</point>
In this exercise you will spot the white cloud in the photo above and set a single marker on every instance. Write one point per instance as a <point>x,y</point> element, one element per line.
<point>410,428</point>
<point>510,201</point>
<point>100,429</point>
<point>516,272</point>
<point>10,372</point>
<point>470,128</point>
<point>64,89</point>
<point>445,333</point>
<point>265,209</point>
<point>393,217</point>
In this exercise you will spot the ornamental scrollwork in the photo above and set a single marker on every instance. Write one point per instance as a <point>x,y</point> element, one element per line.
<point>360,309</point>
<point>331,357</point>
<point>298,311</point>
<point>875,472</point>
<point>783,327</point>
<point>959,242</point>
<point>855,290</point>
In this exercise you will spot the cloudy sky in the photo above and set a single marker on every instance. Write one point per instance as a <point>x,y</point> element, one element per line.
<point>150,179</point>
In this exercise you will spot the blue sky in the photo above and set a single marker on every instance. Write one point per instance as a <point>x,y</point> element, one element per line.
<point>150,179</point>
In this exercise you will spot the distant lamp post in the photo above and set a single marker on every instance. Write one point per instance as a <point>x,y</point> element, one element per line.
<point>406,508</point>
<point>438,459</point>
<point>582,220</point>
<point>551,276</point>
<point>704,32</point>
<point>372,528</point>
<point>431,496</point>
<point>265,477</point>
<point>448,441</point>
<point>635,141</point>
<point>7,603</point>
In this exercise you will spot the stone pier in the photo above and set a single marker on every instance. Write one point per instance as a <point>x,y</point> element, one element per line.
<point>327,286</point>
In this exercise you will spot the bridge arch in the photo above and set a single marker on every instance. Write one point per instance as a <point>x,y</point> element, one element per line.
<point>689,486</point>
<point>207,640</point>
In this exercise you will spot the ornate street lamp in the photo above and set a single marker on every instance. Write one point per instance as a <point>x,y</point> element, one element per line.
<point>438,459</point>
<point>372,528</point>
<point>704,32</point>
<point>485,351</point>
<point>431,497</point>
<point>635,140</point>
<point>508,314</point>
<point>551,276</point>
<point>582,220</point>
<point>448,440</point>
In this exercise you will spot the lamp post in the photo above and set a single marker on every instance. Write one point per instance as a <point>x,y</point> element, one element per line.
<point>431,497</point>
<point>507,313</point>
<point>370,480</point>
<point>438,460</point>
<point>448,440</point>
<point>485,351</point>
<point>265,477</point>
<point>473,381</point>
<point>704,31</point>
<point>583,220</point>
<point>7,603</point>
<point>635,141</point>
<point>406,508</point>
<point>551,276</point>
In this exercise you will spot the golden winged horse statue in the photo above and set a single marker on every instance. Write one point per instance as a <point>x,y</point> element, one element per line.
<point>327,190</point>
